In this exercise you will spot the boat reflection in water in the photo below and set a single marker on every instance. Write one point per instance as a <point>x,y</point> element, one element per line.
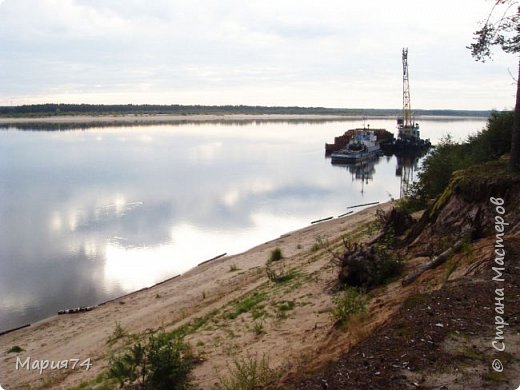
<point>407,165</point>
<point>362,171</point>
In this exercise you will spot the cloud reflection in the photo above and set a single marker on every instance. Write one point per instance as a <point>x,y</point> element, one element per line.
<point>83,221</point>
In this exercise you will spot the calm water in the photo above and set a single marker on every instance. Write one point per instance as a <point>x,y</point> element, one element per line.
<point>87,215</point>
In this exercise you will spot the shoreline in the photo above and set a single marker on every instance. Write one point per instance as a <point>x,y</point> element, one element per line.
<point>171,118</point>
<point>212,260</point>
<point>168,304</point>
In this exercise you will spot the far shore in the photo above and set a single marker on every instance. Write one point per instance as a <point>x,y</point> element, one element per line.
<point>168,118</point>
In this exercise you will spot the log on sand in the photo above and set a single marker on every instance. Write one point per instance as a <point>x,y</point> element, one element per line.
<point>434,263</point>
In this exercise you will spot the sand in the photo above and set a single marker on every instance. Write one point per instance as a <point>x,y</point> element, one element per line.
<point>163,118</point>
<point>289,338</point>
<point>171,118</point>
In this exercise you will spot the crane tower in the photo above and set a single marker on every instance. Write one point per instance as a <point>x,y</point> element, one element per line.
<point>408,130</point>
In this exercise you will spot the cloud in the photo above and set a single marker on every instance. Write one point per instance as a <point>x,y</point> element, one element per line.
<point>284,53</point>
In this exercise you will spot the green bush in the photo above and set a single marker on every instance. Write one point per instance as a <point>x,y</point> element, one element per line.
<point>163,363</point>
<point>15,349</point>
<point>249,373</point>
<point>493,141</point>
<point>447,157</point>
<point>411,204</point>
<point>347,303</point>
<point>258,328</point>
<point>276,254</point>
<point>118,333</point>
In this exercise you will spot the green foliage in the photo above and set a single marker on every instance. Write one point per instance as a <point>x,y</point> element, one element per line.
<point>503,32</point>
<point>169,363</point>
<point>276,254</point>
<point>246,305</point>
<point>285,305</point>
<point>493,141</point>
<point>283,308</point>
<point>117,334</point>
<point>448,157</point>
<point>249,373</point>
<point>164,363</point>
<point>192,326</point>
<point>258,328</point>
<point>390,264</point>
<point>319,243</point>
<point>279,276</point>
<point>15,349</point>
<point>176,109</point>
<point>411,204</point>
<point>347,303</point>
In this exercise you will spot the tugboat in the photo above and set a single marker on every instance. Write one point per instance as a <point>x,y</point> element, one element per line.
<point>340,142</point>
<point>362,146</point>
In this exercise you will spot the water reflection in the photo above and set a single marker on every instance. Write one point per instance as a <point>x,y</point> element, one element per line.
<point>406,169</point>
<point>89,215</point>
<point>362,171</point>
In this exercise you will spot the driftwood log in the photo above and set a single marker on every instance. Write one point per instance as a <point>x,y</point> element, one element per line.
<point>435,262</point>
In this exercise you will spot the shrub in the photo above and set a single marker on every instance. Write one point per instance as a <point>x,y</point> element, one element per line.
<point>410,204</point>
<point>258,328</point>
<point>347,303</point>
<point>15,349</point>
<point>248,373</point>
<point>319,243</point>
<point>276,254</point>
<point>447,157</point>
<point>163,363</point>
<point>118,333</point>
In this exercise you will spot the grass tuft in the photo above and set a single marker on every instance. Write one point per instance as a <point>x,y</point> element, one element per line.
<point>249,373</point>
<point>276,254</point>
<point>15,349</point>
<point>347,303</point>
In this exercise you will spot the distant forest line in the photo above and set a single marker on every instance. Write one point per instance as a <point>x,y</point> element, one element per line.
<point>177,109</point>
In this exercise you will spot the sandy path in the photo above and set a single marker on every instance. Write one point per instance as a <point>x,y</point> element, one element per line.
<point>197,292</point>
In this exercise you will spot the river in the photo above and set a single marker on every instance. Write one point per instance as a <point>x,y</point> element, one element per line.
<point>88,215</point>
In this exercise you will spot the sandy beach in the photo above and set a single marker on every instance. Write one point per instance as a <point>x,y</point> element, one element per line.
<point>208,291</point>
<point>162,118</point>
<point>168,118</point>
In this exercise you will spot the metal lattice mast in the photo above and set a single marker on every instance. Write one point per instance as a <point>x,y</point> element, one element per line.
<point>407,110</point>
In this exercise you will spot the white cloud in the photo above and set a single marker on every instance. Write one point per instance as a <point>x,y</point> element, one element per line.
<point>333,53</point>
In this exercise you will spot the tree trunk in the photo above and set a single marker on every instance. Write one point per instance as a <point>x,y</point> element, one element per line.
<point>433,263</point>
<point>514,162</point>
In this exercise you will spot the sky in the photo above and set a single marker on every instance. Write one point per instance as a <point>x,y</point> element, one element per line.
<point>277,53</point>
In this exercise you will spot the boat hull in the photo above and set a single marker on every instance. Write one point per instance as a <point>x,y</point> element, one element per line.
<point>352,158</point>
